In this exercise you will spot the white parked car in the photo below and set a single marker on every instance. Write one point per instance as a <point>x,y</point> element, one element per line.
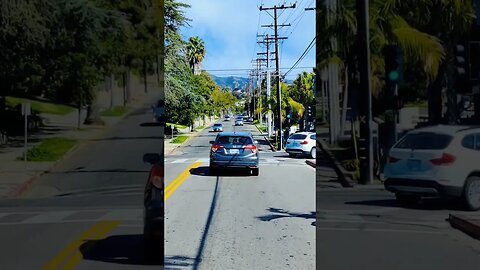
<point>437,161</point>
<point>239,121</point>
<point>302,143</point>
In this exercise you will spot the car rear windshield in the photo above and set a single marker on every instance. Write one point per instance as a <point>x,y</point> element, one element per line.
<point>298,137</point>
<point>425,140</point>
<point>237,140</point>
<point>217,125</point>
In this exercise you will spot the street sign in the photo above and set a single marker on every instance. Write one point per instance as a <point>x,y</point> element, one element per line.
<point>26,109</point>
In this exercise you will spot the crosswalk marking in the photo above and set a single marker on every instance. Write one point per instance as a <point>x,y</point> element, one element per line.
<point>203,160</point>
<point>180,160</point>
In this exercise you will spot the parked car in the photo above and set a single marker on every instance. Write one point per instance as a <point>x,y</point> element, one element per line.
<point>439,161</point>
<point>250,119</point>
<point>234,150</point>
<point>154,204</point>
<point>302,143</point>
<point>227,118</point>
<point>217,127</point>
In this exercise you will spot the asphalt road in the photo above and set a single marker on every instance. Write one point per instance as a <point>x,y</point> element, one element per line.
<point>364,228</point>
<point>87,212</point>
<point>237,221</point>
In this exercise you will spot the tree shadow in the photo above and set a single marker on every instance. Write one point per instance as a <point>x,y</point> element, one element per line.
<point>230,172</point>
<point>278,213</point>
<point>122,249</point>
<point>128,138</point>
<point>427,204</point>
<point>152,124</point>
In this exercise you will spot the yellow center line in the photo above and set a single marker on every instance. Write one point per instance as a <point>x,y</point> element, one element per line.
<point>179,180</point>
<point>55,262</point>
<point>100,234</point>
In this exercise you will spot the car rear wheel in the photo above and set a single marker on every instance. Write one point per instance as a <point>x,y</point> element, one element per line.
<point>405,199</point>
<point>471,193</point>
<point>255,172</point>
<point>213,171</point>
<point>292,155</point>
<point>313,152</point>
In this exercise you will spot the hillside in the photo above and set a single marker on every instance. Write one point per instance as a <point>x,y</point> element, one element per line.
<point>231,81</point>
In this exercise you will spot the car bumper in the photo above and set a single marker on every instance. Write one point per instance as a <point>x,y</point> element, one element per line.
<point>153,220</point>
<point>297,151</point>
<point>232,163</point>
<point>422,188</point>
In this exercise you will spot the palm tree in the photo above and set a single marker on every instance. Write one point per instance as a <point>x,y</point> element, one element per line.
<point>195,53</point>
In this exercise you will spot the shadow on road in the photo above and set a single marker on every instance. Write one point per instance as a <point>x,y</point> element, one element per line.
<point>121,249</point>
<point>152,124</point>
<point>280,213</point>
<point>423,204</point>
<point>205,171</point>
<point>128,138</point>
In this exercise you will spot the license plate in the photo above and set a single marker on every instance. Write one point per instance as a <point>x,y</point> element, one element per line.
<point>233,151</point>
<point>413,164</point>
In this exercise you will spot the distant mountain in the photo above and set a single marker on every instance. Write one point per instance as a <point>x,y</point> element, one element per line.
<point>235,82</point>
<point>231,81</point>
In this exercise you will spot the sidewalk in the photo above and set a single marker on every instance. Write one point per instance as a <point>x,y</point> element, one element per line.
<point>16,175</point>
<point>170,147</point>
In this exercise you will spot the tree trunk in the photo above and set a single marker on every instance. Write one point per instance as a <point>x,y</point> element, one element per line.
<point>145,74</point>
<point>93,114</point>
<point>344,105</point>
<point>128,85</point>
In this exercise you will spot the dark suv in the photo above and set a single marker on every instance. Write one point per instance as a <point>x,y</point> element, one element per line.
<point>234,150</point>
<point>154,203</point>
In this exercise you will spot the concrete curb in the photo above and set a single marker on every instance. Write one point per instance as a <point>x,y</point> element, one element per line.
<point>189,138</point>
<point>81,143</point>
<point>470,226</point>
<point>343,175</point>
<point>311,163</point>
<point>266,139</point>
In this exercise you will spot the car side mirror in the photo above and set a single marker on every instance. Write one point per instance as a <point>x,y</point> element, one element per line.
<point>212,142</point>
<point>151,158</point>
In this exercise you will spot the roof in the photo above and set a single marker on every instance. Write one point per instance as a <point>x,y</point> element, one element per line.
<point>445,129</point>
<point>243,134</point>
<point>305,133</point>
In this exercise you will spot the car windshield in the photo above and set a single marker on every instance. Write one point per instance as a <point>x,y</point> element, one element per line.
<point>235,140</point>
<point>425,141</point>
<point>298,137</point>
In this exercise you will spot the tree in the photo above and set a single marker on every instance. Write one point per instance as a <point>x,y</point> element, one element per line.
<point>195,53</point>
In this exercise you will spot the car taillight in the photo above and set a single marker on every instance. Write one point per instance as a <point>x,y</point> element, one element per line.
<point>304,142</point>
<point>251,147</point>
<point>215,147</point>
<point>156,176</point>
<point>446,159</point>
<point>392,160</point>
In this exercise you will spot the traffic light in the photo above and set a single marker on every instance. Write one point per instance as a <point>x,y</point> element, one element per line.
<point>393,64</point>
<point>460,63</point>
<point>461,80</point>
<point>288,115</point>
<point>309,112</point>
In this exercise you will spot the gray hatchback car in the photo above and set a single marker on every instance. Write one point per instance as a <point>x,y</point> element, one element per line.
<point>234,150</point>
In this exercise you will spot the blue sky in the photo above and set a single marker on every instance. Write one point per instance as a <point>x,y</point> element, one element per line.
<point>229,29</point>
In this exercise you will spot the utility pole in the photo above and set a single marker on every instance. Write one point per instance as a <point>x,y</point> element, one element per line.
<point>277,65</point>
<point>366,160</point>
<point>267,42</point>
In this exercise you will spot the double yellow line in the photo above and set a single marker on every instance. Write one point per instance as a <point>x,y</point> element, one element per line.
<point>179,180</point>
<point>71,256</point>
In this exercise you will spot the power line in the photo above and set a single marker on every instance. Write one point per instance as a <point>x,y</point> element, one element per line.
<point>307,50</point>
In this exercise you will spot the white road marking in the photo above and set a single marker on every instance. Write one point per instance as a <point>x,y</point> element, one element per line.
<point>48,217</point>
<point>203,160</point>
<point>180,160</point>
<point>377,230</point>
